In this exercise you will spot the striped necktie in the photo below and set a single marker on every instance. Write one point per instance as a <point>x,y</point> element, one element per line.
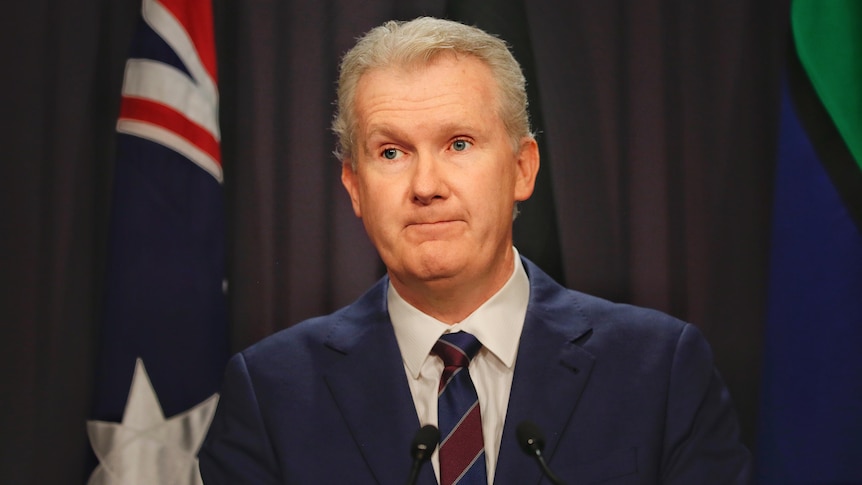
<point>462,453</point>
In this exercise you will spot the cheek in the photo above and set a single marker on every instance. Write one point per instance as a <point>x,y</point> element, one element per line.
<point>379,206</point>
<point>497,186</point>
<point>492,202</point>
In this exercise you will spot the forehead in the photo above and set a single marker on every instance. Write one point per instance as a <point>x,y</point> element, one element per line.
<point>460,83</point>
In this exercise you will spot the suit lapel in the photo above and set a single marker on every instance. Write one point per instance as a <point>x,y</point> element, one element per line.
<point>551,373</point>
<point>370,387</point>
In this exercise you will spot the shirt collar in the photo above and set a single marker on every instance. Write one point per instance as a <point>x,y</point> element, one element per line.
<point>497,323</point>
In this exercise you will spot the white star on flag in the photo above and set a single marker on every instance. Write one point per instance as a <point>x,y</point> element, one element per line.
<point>146,448</point>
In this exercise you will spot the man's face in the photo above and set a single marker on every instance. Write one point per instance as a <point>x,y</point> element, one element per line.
<point>436,173</point>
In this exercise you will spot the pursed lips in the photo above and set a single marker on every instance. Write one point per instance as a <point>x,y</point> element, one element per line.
<point>433,226</point>
<point>430,221</point>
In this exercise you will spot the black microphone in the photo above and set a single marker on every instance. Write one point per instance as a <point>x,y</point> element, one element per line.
<point>533,442</point>
<point>424,443</point>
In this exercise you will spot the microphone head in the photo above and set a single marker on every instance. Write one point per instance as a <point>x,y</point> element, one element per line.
<point>530,438</point>
<point>424,442</point>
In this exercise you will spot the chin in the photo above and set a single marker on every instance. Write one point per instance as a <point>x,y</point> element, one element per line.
<point>433,267</point>
<point>428,262</point>
<point>436,270</point>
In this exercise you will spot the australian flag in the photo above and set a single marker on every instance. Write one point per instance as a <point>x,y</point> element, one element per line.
<point>165,285</point>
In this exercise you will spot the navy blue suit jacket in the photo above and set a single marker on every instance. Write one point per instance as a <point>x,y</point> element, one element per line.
<point>624,395</point>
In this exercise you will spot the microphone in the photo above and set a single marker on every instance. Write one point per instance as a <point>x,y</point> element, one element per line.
<point>424,442</point>
<point>533,442</point>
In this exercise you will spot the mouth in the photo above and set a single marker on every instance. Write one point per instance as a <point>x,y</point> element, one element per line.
<point>434,229</point>
<point>430,223</point>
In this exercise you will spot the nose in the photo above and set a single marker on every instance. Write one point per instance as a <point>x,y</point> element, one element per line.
<point>428,180</point>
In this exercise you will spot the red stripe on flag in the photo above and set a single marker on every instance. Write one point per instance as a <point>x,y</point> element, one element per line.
<point>161,115</point>
<point>197,18</point>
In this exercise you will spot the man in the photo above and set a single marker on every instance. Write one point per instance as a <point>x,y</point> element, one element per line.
<point>437,152</point>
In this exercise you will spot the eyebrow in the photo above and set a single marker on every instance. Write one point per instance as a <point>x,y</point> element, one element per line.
<point>449,128</point>
<point>386,131</point>
<point>383,131</point>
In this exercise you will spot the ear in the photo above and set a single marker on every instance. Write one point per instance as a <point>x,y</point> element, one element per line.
<point>527,167</point>
<point>350,180</point>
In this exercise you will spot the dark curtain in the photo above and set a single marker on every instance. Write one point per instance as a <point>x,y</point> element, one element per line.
<point>59,93</point>
<point>657,127</point>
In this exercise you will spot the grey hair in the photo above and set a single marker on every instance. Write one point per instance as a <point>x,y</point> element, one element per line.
<point>419,41</point>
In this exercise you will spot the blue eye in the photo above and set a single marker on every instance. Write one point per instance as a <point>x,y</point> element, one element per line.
<point>391,153</point>
<point>461,145</point>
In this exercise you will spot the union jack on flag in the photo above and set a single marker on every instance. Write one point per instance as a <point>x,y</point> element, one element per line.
<point>170,95</point>
<point>165,303</point>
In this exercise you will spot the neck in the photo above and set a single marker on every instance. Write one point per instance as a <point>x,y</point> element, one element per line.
<point>451,300</point>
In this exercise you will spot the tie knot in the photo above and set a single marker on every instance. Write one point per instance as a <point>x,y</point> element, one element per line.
<point>456,349</point>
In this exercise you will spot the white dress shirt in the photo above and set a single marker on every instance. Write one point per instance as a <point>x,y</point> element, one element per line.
<point>497,324</point>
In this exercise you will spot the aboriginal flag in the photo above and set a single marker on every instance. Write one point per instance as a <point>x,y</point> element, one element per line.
<point>811,406</point>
